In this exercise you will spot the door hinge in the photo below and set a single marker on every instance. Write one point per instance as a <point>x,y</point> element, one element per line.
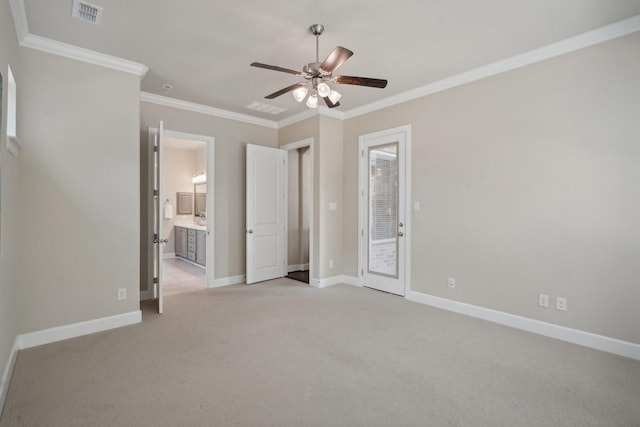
<point>362,233</point>
<point>362,272</point>
<point>155,280</point>
<point>155,193</point>
<point>155,148</point>
<point>155,237</point>
<point>362,153</point>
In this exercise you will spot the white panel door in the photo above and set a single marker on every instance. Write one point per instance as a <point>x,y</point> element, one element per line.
<point>157,218</point>
<point>266,213</point>
<point>383,213</point>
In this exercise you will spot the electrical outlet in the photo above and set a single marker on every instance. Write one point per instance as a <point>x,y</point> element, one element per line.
<point>561,303</point>
<point>543,300</point>
<point>452,282</point>
<point>122,294</point>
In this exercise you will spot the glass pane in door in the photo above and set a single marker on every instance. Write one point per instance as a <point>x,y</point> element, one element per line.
<point>383,210</point>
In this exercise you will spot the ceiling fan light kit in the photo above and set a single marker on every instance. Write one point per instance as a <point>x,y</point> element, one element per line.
<point>312,101</point>
<point>318,77</point>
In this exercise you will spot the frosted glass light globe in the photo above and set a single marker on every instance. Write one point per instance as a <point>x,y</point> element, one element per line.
<point>323,90</point>
<point>300,93</point>
<point>312,101</point>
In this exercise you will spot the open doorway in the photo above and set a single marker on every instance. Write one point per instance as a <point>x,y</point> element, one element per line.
<point>176,214</point>
<point>299,209</point>
<point>184,214</point>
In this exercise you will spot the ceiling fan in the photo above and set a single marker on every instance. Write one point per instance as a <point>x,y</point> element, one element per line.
<point>318,76</point>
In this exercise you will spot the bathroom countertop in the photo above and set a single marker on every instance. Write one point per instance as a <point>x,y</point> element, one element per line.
<point>190,225</point>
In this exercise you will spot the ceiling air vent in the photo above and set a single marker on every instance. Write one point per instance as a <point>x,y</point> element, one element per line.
<point>265,108</point>
<point>86,12</point>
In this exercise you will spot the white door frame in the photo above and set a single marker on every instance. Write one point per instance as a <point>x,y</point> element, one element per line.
<point>362,211</point>
<point>210,141</point>
<point>308,142</point>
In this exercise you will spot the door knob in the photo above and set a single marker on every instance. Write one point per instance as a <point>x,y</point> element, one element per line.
<point>250,231</point>
<point>400,233</point>
<point>164,241</point>
<point>401,225</point>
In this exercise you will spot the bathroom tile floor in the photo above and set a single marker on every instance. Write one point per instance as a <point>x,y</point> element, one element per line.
<point>181,276</point>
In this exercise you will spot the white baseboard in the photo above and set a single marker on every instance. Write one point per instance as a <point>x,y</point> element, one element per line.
<point>575,336</point>
<point>334,280</point>
<point>168,255</point>
<point>8,371</point>
<point>60,333</point>
<point>226,281</point>
<point>73,330</point>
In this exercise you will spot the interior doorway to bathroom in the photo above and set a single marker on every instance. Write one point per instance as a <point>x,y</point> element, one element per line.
<point>299,182</point>
<point>185,198</point>
<point>184,215</point>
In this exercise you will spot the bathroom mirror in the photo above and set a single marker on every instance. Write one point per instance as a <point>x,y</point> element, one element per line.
<point>184,203</point>
<point>200,197</point>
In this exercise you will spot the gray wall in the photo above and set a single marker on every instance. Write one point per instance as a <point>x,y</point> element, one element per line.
<point>327,187</point>
<point>331,191</point>
<point>79,192</point>
<point>529,183</point>
<point>9,211</point>
<point>178,168</point>
<point>231,138</point>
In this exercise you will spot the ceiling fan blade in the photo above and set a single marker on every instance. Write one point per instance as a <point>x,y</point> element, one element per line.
<point>275,68</point>
<point>335,59</point>
<point>329,103</point>
<point>285,90</point>
<point>361,81</point>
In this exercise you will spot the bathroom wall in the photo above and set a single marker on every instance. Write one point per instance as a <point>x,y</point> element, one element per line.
<point>178,168</point>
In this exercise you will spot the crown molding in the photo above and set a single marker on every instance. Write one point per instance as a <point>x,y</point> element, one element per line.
<point>204,109</point>
<point>66,50</point>
<point>312,112</point>
<point>19,19</point>
<point>84,55</point>
<point>307,114</point>
<point>581,41</point>
<point>324,111</point>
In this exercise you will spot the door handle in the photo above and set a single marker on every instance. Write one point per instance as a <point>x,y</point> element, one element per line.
<point>400,233</point>
<point>250,231</point>
<point>161,241</point>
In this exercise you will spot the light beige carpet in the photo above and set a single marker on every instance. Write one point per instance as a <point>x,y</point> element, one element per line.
<point>282,353</point>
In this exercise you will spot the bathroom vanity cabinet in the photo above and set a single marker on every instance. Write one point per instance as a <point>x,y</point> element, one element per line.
<point>191,244</point>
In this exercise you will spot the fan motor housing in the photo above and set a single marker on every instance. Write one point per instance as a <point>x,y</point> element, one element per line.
<point>312,68</point>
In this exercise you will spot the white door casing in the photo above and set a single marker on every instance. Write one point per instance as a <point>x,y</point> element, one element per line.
<point>384,215</point>
<point>158,240</point>
<point>266,214</point>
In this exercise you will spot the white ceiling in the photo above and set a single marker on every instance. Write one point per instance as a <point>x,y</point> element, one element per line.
<point>203,47</point>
